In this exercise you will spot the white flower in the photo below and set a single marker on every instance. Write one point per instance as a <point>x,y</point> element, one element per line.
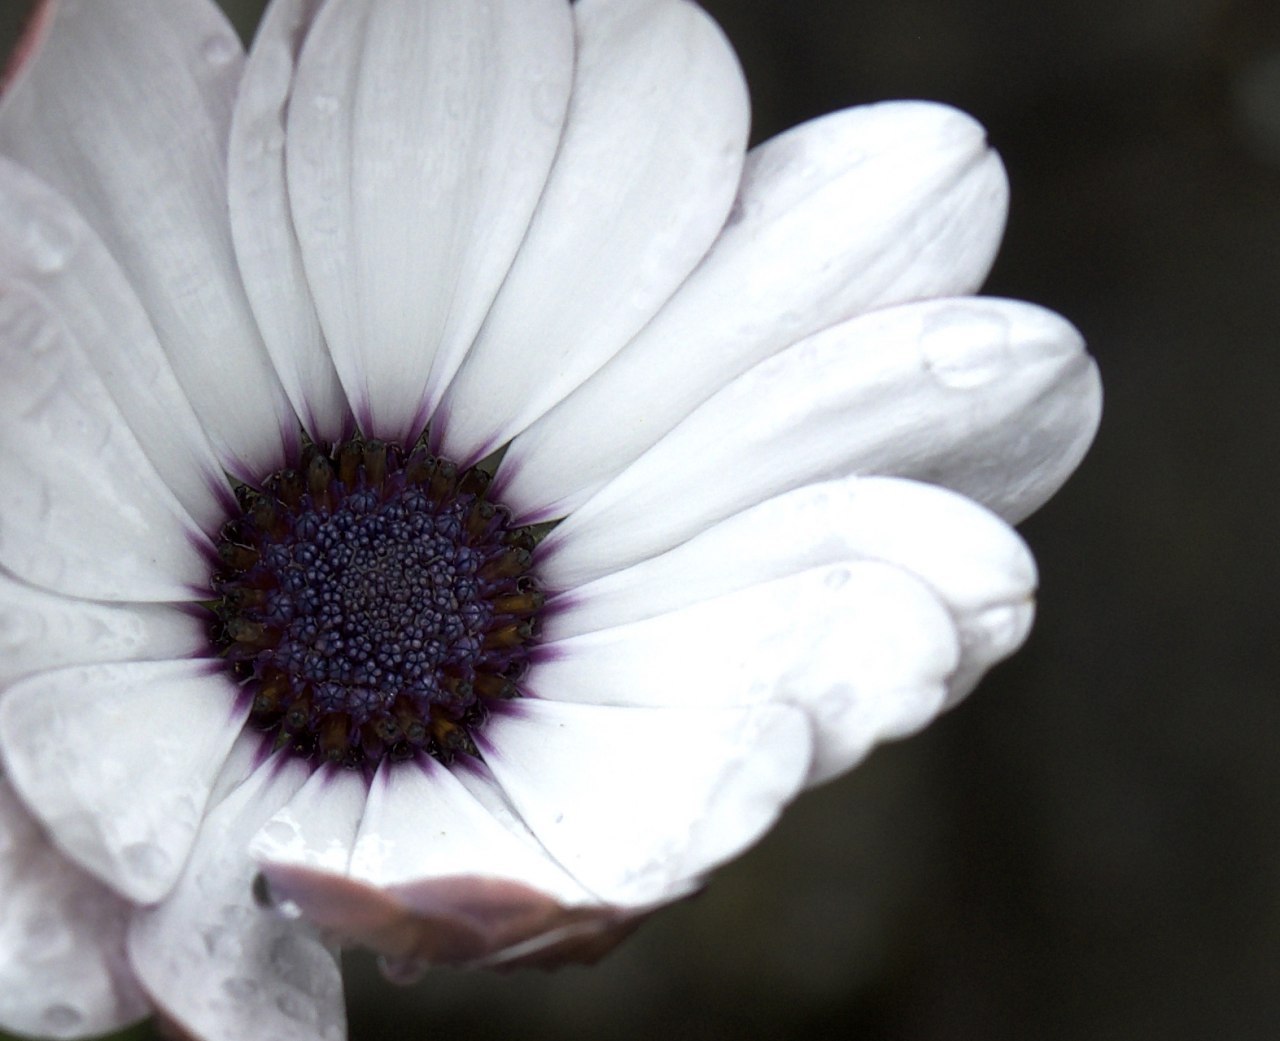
<point>516,221</point>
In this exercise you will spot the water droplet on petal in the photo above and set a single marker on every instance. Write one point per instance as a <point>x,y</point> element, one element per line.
<point>288,909</point>
<point>50,243</point>
<point>240,988</point>
<point>44,931</point>
<point>836,578</point>
<point>146,860</point>
<point>62,1020</point>
<point>325,104</point>
<point>964,348</point>
<point>292,1006</point>
<point>219,50</point>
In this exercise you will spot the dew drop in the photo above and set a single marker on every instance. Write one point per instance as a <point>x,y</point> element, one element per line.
<point>836,578</point>
<point>281,832</point>
<point>62,1020</point>
<point>292,1006</point>
<point>146,860</point>
<point>325,104</point>
<point>43,931</point>
<point>219,50</point>
<point>965,349</point>
<point>223,943</point>
<point>50,243</point>
<point>288,910</point>
<point>240,988</point>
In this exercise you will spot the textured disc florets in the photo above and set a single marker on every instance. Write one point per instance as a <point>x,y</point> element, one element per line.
<point>373,605</point>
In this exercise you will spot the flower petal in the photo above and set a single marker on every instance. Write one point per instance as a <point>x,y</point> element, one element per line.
<point>63,969</point>
<point>434,876</point>
<point>262,224</point>
<point>864,648</point>
<point>992,398</point>
<point>118,762</point>
<point>651,156</point>
<point>855,211</point>
<point>638,803</point>
<point>85,513</point>
<point>216,963</point>
<point>125,110</point>
<point>40,630</point>
<point>47,246</point>
<point>419,140</point>
<point>974,562</point>
<point>317,826</point>
<point>462,837</point>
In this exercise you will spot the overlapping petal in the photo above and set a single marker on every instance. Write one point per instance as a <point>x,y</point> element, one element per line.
<point>994,399</point>
<point>211,958</point>
<point>625,805</point>
<point>647,169</point>
<point>125,108</point>
<point>423,872</point>
<point>266,242</point>
<point>419,139</point>
<point>858,210</point>
<point>63,969</point>
<point>865,648</point>
<point>118,762</point>
<point>86,514</point>
<point>40,630</point>
<point>47,247</point>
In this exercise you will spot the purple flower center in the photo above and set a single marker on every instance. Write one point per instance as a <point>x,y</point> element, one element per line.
<point>373,605</point>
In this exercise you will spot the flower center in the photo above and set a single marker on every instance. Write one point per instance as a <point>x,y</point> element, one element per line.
<point>374,605</point>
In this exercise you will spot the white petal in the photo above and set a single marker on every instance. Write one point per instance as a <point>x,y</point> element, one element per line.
<point>419,139</point>
<point>118,762</point>
<point>41,630</point>
<point>858,210</point>
<point>442,872</point>
<point>317,827</point>
<point>863,647</point>
<point>992,398</point>
<point>125,110</point>
<point>262,224</point>
<point>423,824</point>
<point>45,244</point>
<point>63,969</point>
<point>651,156</point>
<point>215,962</point>
<point>638,803</point>
<point>85,513</point>
<point>416,823</point>
<point>975,563</point>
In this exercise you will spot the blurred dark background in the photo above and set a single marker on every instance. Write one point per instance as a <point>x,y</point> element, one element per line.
<point>1090,846</point>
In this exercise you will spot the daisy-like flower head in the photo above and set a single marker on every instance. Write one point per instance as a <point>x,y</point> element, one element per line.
<point>290,661</point>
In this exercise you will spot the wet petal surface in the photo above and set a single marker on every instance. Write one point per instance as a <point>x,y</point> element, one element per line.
<point>858,210</point>
<point>118,761</point>
<point>651,155</point>
<point>992,398</point>
<point>419,139</point>
<point>125,110</point>
<point>63,970</point>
